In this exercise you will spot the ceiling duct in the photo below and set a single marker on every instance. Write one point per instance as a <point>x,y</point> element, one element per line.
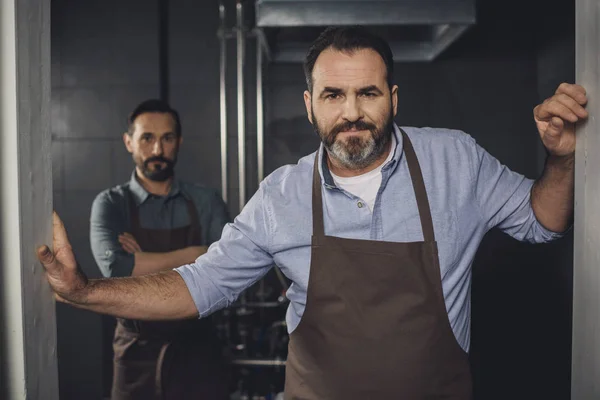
<point>417,30</point>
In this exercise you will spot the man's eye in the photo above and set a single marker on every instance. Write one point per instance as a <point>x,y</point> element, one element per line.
<point>333,96</point>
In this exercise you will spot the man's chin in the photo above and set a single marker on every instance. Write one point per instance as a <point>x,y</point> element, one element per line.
<point>158,176</point>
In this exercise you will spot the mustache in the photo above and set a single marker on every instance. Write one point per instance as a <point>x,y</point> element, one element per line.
<point>157,159</point>
<point>348,126</point>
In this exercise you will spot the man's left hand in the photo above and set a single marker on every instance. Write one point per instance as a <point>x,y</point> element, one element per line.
<point>556,117</point>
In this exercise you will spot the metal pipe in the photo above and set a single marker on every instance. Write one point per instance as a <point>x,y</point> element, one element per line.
<point>163,49</point>
<point>259,109</point>
<point>259,363</point>
<point>223,99</point>
<point>240,103</point>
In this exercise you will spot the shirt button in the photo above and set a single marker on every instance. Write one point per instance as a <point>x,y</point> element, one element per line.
<point>360,204</point>
<point>108,253</point>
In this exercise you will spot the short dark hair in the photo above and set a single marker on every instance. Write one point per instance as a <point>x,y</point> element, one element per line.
<point>348,39</point>
<point>153,106</point>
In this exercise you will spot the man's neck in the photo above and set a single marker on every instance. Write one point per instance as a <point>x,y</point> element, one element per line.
<point>154,187</point>
<point>337,169</point>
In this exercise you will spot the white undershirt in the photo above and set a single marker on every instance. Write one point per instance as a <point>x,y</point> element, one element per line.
<point>367,185</point>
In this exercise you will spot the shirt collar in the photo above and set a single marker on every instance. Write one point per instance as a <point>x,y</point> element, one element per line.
<point>140,194</point>
<point>326,177</point>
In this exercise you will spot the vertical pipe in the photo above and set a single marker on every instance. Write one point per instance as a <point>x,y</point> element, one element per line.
<point>241,122</point>
<point>259,108</point>
<point>163,49</point>
<point>223,99</point>
<point>240,103</point>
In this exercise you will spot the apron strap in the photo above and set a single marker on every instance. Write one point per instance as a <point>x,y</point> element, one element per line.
<point>195,232</point>
<point>419,187</point>
<point>134,214</point>
<point>317,199</point>
<point>416,177</point>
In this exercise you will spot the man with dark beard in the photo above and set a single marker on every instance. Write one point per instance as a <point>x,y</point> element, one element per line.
<point>150,224</point>
<point>377,230</point>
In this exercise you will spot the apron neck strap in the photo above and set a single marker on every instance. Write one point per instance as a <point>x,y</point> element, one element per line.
<point>416,177</point>
<point>317,200</point>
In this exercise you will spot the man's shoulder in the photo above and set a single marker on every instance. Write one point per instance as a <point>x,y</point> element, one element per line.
<point>291,173</point>
<point>430,136</point>
<point>115,195</point>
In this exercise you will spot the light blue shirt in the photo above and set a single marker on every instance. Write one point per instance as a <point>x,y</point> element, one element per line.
<point>469,191</point>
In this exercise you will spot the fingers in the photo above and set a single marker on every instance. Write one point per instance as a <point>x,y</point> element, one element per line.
<point>129,243</point>
<point>128,248</point>
<point>126,244</point>
<point>59,233</point>
<point>575,92</point>
<point>559,106</point>
<point>47,258</point>
<point>572,105</point>
<point>553,108</point>
<point>552,135</point>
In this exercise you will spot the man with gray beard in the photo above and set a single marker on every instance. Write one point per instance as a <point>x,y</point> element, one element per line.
<point>377,230</point>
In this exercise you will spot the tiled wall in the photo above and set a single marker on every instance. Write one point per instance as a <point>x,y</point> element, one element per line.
<point>104,61</point>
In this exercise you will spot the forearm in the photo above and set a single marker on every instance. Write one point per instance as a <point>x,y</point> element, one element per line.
<point>552,193</point>
<point>148,263</point>
<point>161,296</point>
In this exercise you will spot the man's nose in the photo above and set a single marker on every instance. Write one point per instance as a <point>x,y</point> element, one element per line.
<point>352,111</point>
<point>157,149</point>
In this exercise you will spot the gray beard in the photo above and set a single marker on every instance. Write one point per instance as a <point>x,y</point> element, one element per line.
<point>358,159</point>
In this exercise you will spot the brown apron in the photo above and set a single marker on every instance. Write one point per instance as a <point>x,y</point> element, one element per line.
<point>375,324</point>
<point>171,360</point>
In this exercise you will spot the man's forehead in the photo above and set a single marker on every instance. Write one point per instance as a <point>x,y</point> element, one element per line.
<point>154,120</point>
<point>362,67</point>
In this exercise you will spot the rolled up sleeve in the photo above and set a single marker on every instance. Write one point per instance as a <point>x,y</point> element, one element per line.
<point>106,223</point>
<point>219,217</point>
<point>236,261</point>
<point>504,198</point>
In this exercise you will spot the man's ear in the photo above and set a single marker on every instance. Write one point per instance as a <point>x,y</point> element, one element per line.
<point>395,99</point>
<point>127,140</point>
<point>307,103</point>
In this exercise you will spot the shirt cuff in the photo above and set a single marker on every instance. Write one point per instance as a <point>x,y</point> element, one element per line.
<point>547,235</point>
<point>199,285</point>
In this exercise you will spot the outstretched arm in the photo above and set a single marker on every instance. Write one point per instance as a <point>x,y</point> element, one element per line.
<point>158,296</point>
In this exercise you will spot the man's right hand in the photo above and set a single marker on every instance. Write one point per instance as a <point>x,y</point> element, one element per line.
<point>129,243</point>
<point>64,275</point>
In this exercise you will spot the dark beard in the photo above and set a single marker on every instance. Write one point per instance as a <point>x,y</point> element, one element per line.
<point>158,174</point>
<point>355,147</point>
